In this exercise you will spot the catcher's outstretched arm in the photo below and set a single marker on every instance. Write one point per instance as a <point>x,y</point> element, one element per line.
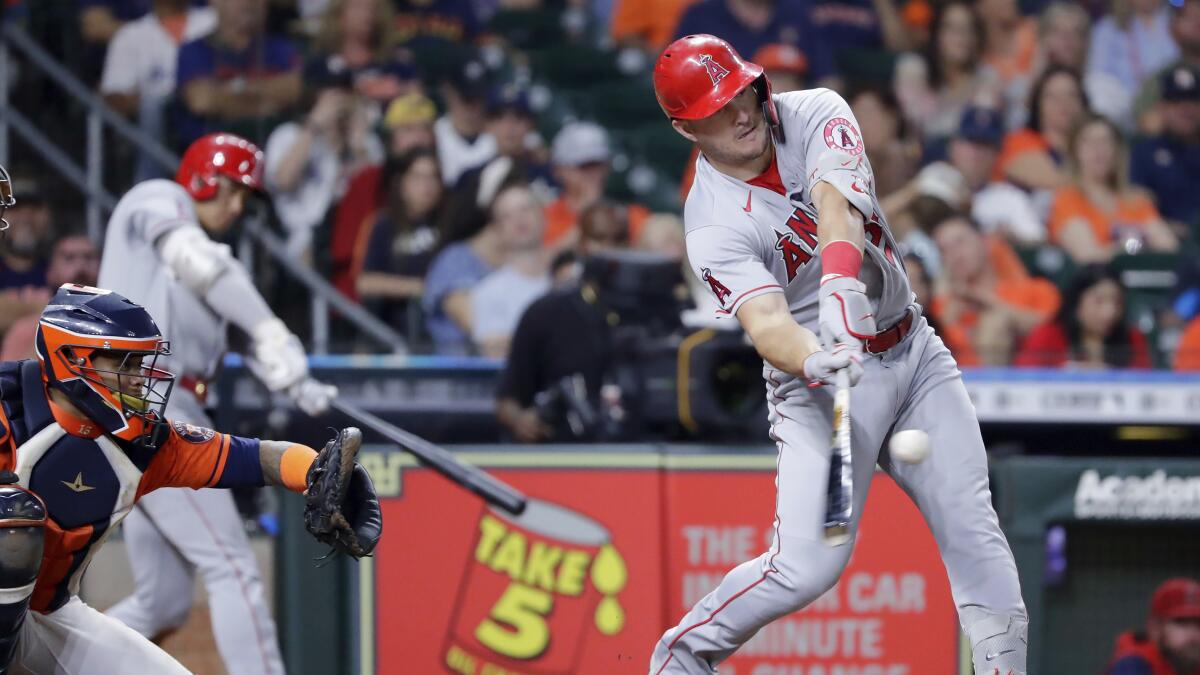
<point>285,464</point>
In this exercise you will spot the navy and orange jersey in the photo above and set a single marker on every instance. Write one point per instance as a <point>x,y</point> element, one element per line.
<point>90,481</point>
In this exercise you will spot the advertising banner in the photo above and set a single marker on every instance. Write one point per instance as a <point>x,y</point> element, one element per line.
<point>610,553</point>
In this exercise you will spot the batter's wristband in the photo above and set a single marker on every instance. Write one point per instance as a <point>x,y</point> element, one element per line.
<point>841,258</point>
<point>294,466</point>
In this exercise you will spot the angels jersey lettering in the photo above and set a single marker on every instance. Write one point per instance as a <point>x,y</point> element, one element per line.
<point>772,248</point>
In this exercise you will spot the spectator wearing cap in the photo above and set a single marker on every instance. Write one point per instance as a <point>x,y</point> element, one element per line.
<point>462,142</point>
<point>935,87</point>
<point>938,192</point>
<point>308,163</point>
<point>433,24</point>
<point>408,123</point>
<point>518,160</point>
<point>1032,157</point>
<point>1133,42</point>
<point>1168,164</point>
<point>237,75</point>
<point>992,301</point>
<point>785,66</point>
<point>23,252</point>
<point>1185,33</point>
<point>1090,329</point>
<point>750,25</point>
<point>581,159</point>
<point>139,69</point>
<point>1099,214</point>
<point>1170,643</point>
<point>408,126</point>
<point>999,207</point>
<point>74,259</point>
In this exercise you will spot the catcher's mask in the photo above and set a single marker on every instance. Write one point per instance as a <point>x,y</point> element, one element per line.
<point>101,350</point>
<point>7,200</point>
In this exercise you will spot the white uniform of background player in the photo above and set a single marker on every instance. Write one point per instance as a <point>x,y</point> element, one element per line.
<point>158,254</point>
<point>756,247</point>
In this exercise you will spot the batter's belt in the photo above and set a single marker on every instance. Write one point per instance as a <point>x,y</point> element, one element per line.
<point>886,339</point>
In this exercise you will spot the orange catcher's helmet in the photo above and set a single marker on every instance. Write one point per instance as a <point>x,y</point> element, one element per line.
<point>215,155</point>
<point>81,323</point>
<point>695,76</point>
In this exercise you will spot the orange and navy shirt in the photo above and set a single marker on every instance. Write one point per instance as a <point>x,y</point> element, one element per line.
<point>90,480</point>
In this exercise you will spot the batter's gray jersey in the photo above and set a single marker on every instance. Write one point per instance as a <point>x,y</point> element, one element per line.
<point>744,240</point>
<point>132,267</point>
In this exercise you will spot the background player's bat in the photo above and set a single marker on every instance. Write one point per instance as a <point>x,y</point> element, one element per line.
<point>840,505</point>
<point>492,489</point>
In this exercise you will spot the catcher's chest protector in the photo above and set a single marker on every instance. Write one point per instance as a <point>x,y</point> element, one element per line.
<point>87,484</point>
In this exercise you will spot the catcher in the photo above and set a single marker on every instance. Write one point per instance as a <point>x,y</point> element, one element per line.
<point>82,438</point>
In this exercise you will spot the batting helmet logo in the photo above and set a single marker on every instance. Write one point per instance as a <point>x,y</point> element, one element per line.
<point>716,71</point>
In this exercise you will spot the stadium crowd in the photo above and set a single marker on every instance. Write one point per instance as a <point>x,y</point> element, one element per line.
<point>448,162</point>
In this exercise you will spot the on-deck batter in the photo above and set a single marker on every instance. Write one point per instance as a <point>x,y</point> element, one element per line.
<point>783,225</point>
<point>157,252</point>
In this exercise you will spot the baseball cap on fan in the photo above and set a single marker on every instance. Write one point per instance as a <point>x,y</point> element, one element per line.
<point>580,143</point>
<point>1181,83</point>
<point>1177,598</point>
<point>981,124</point>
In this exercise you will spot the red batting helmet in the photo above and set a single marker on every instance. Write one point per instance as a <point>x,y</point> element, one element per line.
<point>697,75</point>
<point>215,155</point>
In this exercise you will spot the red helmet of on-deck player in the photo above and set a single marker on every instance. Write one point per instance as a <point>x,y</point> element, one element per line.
<point>215,155</point>
<point>695,76</point>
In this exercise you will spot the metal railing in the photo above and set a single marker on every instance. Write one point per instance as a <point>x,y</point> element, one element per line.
<point>89,181</point>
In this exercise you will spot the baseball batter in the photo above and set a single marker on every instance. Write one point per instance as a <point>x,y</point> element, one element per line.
<point>158,253</point>
<point>784,227</point>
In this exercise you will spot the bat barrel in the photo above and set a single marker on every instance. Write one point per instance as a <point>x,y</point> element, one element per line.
<point>491,489</point>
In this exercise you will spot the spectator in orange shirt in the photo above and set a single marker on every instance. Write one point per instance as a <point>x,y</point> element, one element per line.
<point>1009,44</point>
<point>921,282</point>
<point>992,302</point>
<point>1032,157</point>
<point>1090,330</point>
<point>1187,354</point>
<point>646,24</point>
<point>581,160</point>
<point>1100,214</point>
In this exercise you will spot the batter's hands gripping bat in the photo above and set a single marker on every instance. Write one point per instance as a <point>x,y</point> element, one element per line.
<point>840,505</point>
<point>492,489</point>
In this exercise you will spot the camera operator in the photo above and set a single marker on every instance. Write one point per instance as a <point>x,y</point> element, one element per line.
<point>562,346</point>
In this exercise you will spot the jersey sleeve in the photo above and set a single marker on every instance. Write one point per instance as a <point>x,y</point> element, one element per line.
<point>727,262</point>
<point>835,152</point>
<point>120,75</point>
<point>198,457</point>
<point>158,212</point>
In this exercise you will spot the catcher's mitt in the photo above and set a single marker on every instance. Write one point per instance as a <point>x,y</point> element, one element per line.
<point>341,508</point>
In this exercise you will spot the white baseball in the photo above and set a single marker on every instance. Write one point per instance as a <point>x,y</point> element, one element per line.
<point>910,446</point>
